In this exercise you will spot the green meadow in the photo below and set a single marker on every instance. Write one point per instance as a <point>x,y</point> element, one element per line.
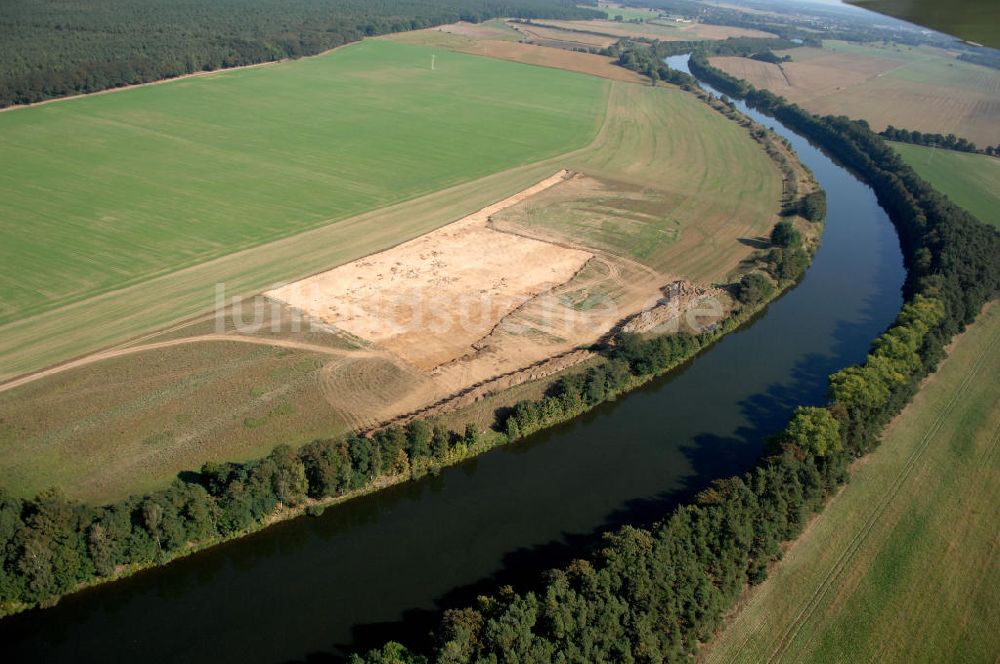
<point>970,180</point>
<point>629,13</point>
<point>106,191</point>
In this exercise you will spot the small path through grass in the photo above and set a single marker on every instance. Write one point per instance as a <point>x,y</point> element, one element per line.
<point>228,337</point>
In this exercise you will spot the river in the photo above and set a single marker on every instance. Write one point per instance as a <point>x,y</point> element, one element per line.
<point>382,566</point>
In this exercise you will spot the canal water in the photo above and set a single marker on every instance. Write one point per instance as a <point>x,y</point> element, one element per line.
<point>384,565</point>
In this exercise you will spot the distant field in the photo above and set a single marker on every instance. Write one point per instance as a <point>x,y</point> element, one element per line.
<point>497,29</point>
<point>903,566</point>
<point>970,180</point>
<point>486,40</point>
<point>664,29</point>
<point>106,191</point>
<point>560,38</point>
<point>926,89</point>
<point>628,13</point>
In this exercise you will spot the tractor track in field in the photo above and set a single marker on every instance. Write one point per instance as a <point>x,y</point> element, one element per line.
<point>813,603</point>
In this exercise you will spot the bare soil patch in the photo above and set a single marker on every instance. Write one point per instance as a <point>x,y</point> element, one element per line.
<point>477,306</point>
<point>428,300</point>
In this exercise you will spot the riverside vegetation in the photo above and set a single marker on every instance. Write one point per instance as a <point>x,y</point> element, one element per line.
<point>652,594</point>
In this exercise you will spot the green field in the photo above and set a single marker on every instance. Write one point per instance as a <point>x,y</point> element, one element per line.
<point>903,566</point>
<point>105,191</point>
<point>970,180</point>
<point>130,424</point>
<point>679,203</point>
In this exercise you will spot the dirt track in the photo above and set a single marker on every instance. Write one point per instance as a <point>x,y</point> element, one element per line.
<point>131,350</point>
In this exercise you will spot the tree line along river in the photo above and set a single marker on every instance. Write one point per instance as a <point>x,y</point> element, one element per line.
<point>382,566</point>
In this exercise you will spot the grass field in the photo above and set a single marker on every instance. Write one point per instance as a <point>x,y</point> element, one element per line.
<point>128,425</point>
<point>121,211</point>
<point>926,89</point>
<point>903,566</point>
<point>150,415</point>
<point>105,191</point>
<point>679,203</point>
<point>548,48</point>
<point>971,180</point>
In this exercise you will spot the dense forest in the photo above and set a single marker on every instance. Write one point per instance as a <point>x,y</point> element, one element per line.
<point>51,49</point>
<point>652,594</point>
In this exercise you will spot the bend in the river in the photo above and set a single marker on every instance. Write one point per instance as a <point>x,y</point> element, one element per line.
<point>381,566</point>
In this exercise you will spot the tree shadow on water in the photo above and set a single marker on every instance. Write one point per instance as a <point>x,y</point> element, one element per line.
<point>711,456</point>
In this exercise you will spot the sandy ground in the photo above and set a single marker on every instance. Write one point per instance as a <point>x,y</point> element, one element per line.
<point>430,299</point>
<point>474,307</point>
